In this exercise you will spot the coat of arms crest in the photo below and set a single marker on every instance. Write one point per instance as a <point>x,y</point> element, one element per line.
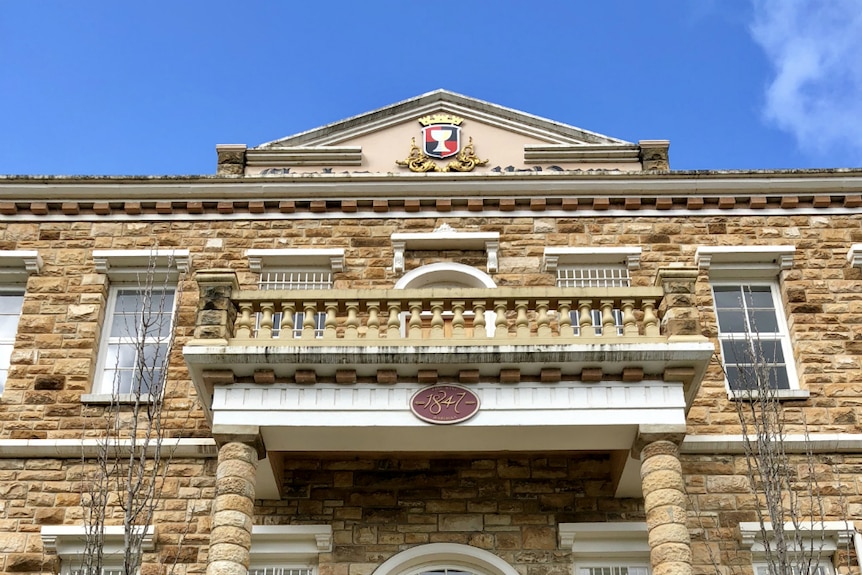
<point>441,135</point>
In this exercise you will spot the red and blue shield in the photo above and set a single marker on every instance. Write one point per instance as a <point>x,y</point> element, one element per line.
<point>441,140</point>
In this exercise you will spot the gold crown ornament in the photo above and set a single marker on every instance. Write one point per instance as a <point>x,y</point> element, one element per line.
<point>440,119</point>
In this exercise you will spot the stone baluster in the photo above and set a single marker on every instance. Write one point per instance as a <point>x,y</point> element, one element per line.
<point>630,326</point>
<point>609,325</point>
<point>436,319</point>
<point>351,324</point>
<point>651,328</point>
<point>564,308</point>
<point>585,318</point>
<point>233,508</point>
<point>264,331</point>
<point>373,322</point>
<point>309,320</point>
<point>543,321</point>
<point>480,330</point>
<point>414,326</point>
<point>522,324</point>
<point>216,311</point>
<point>393,324</point>
<point>288,319</point>
<point>245,324</point>
<point>458,331</point>
<point>501,329</point>
<point>330,322</point>
<point>664,501</point>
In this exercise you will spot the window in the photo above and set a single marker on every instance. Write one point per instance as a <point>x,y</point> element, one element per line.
<point>593,267</point>
<point>295,269</point>
<point>288,549</point>
<point>68,542</point>
<point>811,545</point>
<point>15,267</point>
<point>607,548</point>
<point>11,302</point>
<point>614,570</point>
<point>295,279</point>
<point>139,322</point>
<point>754,340</point>
<point>138,328</point>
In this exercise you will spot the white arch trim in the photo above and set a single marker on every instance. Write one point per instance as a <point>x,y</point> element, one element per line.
<point>452,555</point>
<point>445,272</point>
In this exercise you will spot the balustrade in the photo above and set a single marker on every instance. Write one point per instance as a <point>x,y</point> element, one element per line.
<point>456,316</point>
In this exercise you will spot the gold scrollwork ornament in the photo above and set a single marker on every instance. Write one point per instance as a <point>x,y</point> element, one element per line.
<point>465,161</point>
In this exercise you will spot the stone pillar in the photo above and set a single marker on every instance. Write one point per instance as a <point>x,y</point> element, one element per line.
<point>665,503</point>
<point>680,319</point>
<point>231,159</point>
<point>653,154</point>
<point>233,511</point>
<point>216,312</point>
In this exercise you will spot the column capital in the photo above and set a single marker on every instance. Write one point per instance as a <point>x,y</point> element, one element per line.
<point>647,434</point>
<point>245,434</point>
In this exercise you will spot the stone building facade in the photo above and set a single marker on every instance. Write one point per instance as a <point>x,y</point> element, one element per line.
<point>441,337</point>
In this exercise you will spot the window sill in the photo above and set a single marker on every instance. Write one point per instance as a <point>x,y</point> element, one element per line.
<point>778,395</point>
<point>108,399</point>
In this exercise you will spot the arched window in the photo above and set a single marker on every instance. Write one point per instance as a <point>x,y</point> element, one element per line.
<point>445,274</point>
<point>445,559</point>
<point>450,275</point>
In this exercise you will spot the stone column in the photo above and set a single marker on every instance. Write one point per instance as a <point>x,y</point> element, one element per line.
<point>230,540</point>
<point>665,503</point>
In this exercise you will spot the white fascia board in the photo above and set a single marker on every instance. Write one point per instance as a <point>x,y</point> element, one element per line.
<point>68,541</point>
<point>286,543</point>
<point>598,540</point>
<point>825,537</point>
<point>776,257</point>
<point>792,443</point>
<point>446,240</point>
<point>261,259</point>
<point>124,265</point>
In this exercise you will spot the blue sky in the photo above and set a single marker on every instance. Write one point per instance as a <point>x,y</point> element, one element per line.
<point>151,88</point>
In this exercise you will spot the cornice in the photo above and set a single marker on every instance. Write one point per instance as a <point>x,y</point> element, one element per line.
<point>722,192</point>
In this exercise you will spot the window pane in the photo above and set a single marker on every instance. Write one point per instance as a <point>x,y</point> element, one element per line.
<point>763,321</point>
<point>11,303</point>
<point>736,351</point>
<point>758,296</point>
<point>727,297</point>
<point>731,321</point>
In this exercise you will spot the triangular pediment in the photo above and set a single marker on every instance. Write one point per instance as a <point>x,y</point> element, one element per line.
<point>482,137</point>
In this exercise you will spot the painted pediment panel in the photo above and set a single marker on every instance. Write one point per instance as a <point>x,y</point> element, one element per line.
<point>443,132</point>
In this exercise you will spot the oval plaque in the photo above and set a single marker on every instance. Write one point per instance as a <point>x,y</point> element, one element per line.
<point>444,404</point>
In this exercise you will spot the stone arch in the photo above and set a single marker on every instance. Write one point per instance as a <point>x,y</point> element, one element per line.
<point>445,555</point>
<point>445,274</point>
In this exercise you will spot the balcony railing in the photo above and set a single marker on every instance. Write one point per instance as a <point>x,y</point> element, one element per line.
<point>441,316</point>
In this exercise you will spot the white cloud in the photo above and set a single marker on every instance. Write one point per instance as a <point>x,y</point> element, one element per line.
<point>815,47</point>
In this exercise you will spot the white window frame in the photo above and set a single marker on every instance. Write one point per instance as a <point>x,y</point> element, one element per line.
<point>135,270</point>
<point>606,545</point>
<point>822,537</point>
<point>755,265</point>
<point>296,261</point>
<point>15,267</point>
<point>782,335</point>
<point>68,542</point>
<point>430,556</point>
<point>288,547</point>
